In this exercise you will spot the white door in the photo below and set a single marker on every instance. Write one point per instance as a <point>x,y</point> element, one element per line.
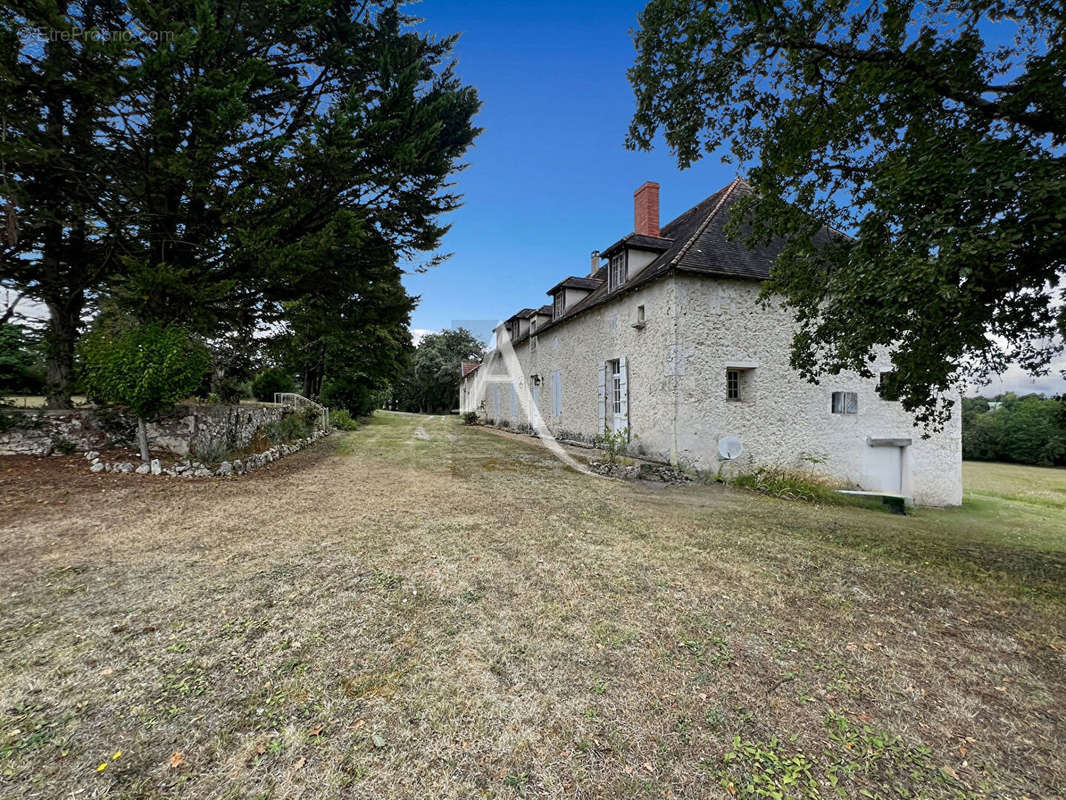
<point>883,469</point>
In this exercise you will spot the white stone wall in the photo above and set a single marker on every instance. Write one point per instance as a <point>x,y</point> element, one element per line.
<point>784,416</point>
<point>695,327</point>
<point>181,431</point>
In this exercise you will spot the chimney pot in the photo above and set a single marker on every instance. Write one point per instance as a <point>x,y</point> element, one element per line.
<point>646,209</point>
<point>595,262</point>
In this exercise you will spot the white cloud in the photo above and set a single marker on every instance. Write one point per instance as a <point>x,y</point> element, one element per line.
<point>418,333</point>
<point>1017,380</point>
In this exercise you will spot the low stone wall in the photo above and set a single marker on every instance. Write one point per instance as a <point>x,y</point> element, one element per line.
<point>187,429</point>
<point>188,468</point>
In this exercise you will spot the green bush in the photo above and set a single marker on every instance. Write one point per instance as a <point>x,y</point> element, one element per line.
<point>341,420</point>
<point>288,429</point>
<point>271,381</point>
<point>791,484</point>
<point>354,393</point>
<point>147,368</point>
<point>214,452</point>
<point>63,446</point>
<point>470,418</point>
<point>312,417</point>
<point>613,443</point>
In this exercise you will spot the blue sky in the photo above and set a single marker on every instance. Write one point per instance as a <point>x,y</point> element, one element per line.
<point>549,179</point>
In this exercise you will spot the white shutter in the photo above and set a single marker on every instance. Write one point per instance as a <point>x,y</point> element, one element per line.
<point>496,399</point>
<point>601,394</point>
<point>623,377</point>
<point>514,400</point>
<point>557,394</point>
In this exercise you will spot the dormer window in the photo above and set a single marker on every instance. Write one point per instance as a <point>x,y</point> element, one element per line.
<point>558,304</point>
<point>616,273</point>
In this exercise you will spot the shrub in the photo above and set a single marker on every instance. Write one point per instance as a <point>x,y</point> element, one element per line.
<point>289,428</point>
<point>470,418</point>
<point>147,368</point>
<point>613,443</point>
<point>214,451</point>
<point>312,417</point>
<point>791,484</point>
<point>63,446</point>
<point>271,381</point>
<point>340,419</point>
<point>354,393</point>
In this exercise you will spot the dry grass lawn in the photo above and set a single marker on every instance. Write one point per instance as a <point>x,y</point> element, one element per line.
<point>419,609</point>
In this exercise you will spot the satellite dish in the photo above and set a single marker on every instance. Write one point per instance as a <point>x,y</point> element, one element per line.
<point>729,447</point>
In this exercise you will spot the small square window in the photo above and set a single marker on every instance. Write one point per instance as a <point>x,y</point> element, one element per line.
<point>845,403</point>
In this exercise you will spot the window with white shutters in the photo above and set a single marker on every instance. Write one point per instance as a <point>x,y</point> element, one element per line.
<point>557,394</point>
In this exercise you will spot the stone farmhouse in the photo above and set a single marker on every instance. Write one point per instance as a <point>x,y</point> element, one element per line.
<point>664,341</point>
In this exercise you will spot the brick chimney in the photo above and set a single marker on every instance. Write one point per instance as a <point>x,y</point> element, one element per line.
<point>646,209</point>
<point>595,260</point>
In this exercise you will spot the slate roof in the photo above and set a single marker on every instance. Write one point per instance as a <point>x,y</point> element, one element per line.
<point>697,244</point>
<point>525,313</point>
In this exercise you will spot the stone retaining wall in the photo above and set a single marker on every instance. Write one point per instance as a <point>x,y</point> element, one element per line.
<point>187,429</point>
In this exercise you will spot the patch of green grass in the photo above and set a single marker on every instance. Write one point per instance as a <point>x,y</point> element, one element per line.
<point>791,484</point>
<point>857,761</point>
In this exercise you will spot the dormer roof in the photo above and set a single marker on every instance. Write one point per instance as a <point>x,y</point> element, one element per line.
<point>639,241</point>
<point>574,282</point>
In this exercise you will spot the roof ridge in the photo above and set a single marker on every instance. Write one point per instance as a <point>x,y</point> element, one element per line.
<point>706,221</point>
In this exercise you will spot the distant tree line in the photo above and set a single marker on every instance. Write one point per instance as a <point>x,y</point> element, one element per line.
<point>1029,429</point>
<point>431,381</point>
<point>257,181</point>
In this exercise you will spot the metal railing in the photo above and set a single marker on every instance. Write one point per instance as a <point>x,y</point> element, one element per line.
<point>298,401</point>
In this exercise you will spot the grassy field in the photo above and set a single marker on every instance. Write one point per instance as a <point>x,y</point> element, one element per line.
<point>420,609</point>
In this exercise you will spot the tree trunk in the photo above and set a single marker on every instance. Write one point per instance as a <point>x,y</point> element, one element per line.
<point>60,338</point>
<point>142,439</point>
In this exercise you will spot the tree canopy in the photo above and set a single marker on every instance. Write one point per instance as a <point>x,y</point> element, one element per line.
<point>1030,429</point>
<point>431,383</point>
<point>933,133</point>
<point>225,165</point>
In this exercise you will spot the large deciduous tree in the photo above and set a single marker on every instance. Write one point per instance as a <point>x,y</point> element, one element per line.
<point>932,132</point>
